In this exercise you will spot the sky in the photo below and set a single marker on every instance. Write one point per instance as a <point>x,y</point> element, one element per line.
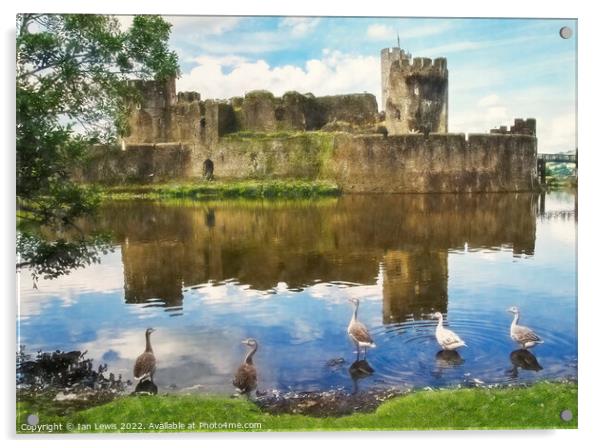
<point>499,69</point>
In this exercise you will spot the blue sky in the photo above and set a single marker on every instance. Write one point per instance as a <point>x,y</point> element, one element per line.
<point>498,69</point>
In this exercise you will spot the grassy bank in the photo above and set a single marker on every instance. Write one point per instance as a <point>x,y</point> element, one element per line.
<point>253,189</point>
<point>561,183</point>
<point>538,406</point>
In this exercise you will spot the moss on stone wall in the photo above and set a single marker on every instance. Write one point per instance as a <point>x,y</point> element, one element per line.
<point>304,155</point>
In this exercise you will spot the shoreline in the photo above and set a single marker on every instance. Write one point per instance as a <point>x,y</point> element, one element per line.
<point>273,189</point>
<point>537,405</point>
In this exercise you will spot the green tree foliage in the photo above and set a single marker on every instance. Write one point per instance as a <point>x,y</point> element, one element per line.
<point>72,93</point>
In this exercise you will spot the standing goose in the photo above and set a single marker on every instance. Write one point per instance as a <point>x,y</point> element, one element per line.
<point>447,339</point>
<point>358,331</point>
<point>245,379</point>
<point>146,364</point>
<point>523,335</point>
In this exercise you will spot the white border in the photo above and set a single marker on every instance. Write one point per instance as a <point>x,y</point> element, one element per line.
<point>589,206</point>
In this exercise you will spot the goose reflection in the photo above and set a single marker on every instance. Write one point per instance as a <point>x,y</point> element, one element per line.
<point>359,370</point>
<point>146,387</point>
<point>523,359</point>
<point>446,359</point>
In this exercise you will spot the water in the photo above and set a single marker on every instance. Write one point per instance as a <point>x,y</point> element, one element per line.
<point>208,275</point>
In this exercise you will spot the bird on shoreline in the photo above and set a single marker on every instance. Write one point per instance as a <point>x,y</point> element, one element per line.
<point>358,331</point>
<point>447,339</point>
<point>146,364</point>
<point>245,379</point>
<point>521,334</point>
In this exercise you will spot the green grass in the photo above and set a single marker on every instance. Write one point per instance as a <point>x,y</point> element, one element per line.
<point>537,406</point>
<point>560,183</point>
<point>253,189</point>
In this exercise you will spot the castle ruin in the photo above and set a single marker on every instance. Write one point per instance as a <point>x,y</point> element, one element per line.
<point>344,138</point>
<point>414,92</point>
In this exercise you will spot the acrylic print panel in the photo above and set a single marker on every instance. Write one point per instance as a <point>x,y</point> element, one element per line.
<point>295,223</point>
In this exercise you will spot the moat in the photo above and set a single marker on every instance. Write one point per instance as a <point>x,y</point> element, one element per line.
<point>206,275</point>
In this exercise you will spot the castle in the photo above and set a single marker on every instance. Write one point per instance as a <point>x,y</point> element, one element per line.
<point>344,138</point>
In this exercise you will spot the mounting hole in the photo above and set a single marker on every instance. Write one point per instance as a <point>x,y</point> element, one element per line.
<point>566,415</point>
<point>566,32</point>
<point>33,419</point>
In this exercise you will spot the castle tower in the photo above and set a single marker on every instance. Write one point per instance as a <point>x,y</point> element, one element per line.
<point>414,92</point>
<point>149,119</point>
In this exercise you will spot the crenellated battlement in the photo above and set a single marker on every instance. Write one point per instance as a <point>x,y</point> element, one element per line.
<point>188,97</point>
<point>520,127</point>
<point>421,67</point>
<point>155,94</point>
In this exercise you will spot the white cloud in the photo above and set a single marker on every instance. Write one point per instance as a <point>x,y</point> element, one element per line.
<point>380,32</point>
<point>334,73</point>
<point>103,278</point>
<point>557,133</point>
<point>556,130</point>
<point>489,100</point>
<point>299,26</point>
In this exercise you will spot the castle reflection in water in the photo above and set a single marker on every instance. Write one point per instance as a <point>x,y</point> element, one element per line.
<point>167,248</point>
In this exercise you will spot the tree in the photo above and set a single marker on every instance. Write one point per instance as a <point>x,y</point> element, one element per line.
<point>72,93</point>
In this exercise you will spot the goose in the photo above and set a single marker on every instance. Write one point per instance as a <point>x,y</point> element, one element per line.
<point>358,331</point>
<point>245,379</point>
<point>523,335</point>
<point>447,339</point>
<point>146,364</point>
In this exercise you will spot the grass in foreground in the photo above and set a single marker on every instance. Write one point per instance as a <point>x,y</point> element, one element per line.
<point>538,406</point>
<point>254,189</point>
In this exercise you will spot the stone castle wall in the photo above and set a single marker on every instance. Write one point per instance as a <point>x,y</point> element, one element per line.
<point>439,163</point>
<point>144,162</point>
